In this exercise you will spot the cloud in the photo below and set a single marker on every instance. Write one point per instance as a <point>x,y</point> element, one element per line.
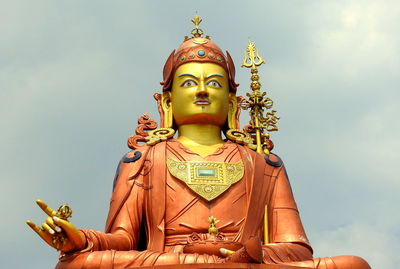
<point>359,239</point>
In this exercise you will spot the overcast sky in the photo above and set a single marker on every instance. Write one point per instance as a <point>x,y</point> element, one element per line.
<point>75,76</point>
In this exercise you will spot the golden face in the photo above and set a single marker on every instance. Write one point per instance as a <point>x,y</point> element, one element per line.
<point>200,94</point>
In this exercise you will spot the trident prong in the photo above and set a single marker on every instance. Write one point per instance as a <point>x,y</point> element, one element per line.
<point>251,56</point>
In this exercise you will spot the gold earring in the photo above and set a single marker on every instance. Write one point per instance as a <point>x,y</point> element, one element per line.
<point>167,109</point>
<point>234,134</point>
<point>232,111</point>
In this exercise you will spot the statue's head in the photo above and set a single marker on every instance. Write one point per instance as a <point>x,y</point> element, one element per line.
<point>199,86</point>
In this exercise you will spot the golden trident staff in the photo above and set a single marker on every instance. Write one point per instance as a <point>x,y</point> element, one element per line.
<point>257,102</point>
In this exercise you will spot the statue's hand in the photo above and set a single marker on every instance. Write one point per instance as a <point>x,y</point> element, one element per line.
<point>58,232</point>
<point>251,252</point>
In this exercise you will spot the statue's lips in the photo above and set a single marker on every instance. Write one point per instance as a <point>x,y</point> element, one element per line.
<point>202,102</point>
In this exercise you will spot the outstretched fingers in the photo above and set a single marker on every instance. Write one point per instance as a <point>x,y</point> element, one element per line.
<point>48,210</point>
<point>42,233</point>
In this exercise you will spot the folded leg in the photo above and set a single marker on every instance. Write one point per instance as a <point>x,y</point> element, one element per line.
<point>338,262</point>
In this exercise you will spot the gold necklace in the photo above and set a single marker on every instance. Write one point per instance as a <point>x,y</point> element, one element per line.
<point>207,179</point>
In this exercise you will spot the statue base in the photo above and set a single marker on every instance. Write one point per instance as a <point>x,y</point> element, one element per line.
<point>220,266</point>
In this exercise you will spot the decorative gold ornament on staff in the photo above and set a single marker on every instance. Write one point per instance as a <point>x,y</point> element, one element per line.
<point>261,122</point>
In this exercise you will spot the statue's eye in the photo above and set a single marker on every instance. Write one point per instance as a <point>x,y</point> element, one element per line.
<point>214,84</point>
<point>189,83</point>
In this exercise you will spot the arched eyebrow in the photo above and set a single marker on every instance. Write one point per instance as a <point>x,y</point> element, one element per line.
<point>214,75</point>
<point>188,74</point>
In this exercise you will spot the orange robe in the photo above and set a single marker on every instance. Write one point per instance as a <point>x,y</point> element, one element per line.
<point>152,214</point>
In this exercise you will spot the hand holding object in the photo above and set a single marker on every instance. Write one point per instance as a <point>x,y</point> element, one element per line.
<point>57,231</point>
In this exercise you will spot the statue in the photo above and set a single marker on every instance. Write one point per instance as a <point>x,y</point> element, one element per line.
<point>196,199</point>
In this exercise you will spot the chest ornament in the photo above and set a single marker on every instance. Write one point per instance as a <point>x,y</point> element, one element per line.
<point>207,179</point>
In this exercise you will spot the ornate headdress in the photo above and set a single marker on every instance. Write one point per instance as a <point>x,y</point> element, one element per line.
<point>198,49</point>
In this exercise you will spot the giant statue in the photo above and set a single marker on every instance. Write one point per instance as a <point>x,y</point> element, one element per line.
<point>215,195</point>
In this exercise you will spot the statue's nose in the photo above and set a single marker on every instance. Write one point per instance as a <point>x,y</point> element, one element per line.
<point>202,91</point>
<point>202,94</point>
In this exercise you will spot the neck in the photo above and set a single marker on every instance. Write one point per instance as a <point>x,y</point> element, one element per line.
<point>200,134</point>
<point>203,139</point>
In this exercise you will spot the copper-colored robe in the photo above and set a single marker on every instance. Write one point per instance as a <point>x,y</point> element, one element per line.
<point>150,206</point>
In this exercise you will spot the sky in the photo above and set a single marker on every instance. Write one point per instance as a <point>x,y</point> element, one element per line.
<point>76,75</point>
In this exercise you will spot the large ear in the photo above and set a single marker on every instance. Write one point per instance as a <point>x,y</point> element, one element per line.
<point>167,110</point>
<point>234,111</point>
<point>231,69</point>
<point>158,98</point>
<point>167,72</point>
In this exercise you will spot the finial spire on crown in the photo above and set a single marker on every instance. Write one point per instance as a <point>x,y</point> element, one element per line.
<point>197,32</point>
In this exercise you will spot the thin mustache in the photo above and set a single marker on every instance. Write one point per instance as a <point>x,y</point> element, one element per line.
<point>201,99</point>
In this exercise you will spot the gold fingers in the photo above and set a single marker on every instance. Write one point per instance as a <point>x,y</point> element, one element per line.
<point>42,233</point>
<point>48,210</point>
<point>48,229</point>
<point>56,230</point>
<point>34,227</point>
<point>51,223</point>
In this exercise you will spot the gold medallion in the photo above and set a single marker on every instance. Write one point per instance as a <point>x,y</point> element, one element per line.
<point>207,179</point>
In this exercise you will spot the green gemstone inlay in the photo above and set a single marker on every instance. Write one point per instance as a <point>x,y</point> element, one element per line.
<point>206,172</point>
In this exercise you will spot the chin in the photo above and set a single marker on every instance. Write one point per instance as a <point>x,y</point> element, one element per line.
<point>202,118</point>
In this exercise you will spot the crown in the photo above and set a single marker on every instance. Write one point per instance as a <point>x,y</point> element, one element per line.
<point>197,49</point>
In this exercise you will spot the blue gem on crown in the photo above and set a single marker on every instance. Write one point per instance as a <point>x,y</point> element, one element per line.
<point>201,53</point>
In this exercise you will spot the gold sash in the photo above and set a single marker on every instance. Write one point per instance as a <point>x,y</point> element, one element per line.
<point>207,179</point>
